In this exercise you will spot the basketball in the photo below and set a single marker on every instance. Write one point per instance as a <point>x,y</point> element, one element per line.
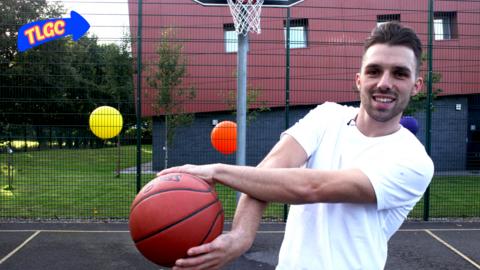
<point>173,213</point>
<point>224,137</point>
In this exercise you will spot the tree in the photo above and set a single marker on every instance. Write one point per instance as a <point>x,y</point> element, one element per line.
<point>417,103</point>
<point>19,72</point>
<point>60,82</point>
<point>104,76</point>
<point>252,100</point>
<point>254,106</point>
<point>166,78</point>
<point>14,14</point>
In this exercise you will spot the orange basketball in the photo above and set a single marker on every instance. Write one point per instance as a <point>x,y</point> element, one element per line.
<point>224,137</point>
<point>173,213</point>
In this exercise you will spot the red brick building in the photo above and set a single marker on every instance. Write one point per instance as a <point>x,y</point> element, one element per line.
<point>326,48</point>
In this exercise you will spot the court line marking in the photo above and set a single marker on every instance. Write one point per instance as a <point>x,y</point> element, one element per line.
<point>19,247</point>
<point>440,230</point>
<point>453,249</point>
<point>428,231</point>
<point>402,230</point>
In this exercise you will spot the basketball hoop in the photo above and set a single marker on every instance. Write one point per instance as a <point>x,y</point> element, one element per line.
<point>246,15</point>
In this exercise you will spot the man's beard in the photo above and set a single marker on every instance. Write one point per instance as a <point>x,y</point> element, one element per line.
<point>385,115</point>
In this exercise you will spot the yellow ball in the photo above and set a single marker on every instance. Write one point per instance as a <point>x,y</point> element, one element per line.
<point>106,122</point>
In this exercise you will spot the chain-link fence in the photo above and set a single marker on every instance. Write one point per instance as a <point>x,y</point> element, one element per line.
<point>53,166</point>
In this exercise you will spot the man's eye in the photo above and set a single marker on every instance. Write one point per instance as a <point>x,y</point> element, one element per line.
<point>372,72</point>
<point>401,74</point>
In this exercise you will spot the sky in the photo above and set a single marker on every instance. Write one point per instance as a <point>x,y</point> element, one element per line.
<point>108,19</point>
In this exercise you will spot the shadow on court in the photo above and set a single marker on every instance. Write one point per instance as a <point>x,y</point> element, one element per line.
<point>108,246</point>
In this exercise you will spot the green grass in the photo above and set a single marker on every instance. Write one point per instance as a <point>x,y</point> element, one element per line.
<point>452,196</point>
<point>274,211</point>
<point>82,184</point>
<point>70,183</point>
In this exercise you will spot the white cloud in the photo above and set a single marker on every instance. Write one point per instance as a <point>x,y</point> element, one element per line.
<point>108,19</point>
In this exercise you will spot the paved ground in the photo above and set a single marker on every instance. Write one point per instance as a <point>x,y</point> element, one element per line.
<point>106,246</point>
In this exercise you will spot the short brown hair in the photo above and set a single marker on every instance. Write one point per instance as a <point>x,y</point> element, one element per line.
<point>394,34</point>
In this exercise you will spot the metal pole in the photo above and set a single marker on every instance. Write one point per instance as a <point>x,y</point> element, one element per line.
<point>139,97</point>
<point>166,142</point>
<point>287,88</point>
<point>429,104</point>
<point>10,168</point>
<point>117,171</point>
<point>241,100</point>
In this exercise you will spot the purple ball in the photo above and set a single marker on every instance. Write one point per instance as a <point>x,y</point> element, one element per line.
<point>410,123</point>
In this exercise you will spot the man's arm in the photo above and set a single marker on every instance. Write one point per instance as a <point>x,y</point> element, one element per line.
<point>297,185</point>
<point>287,153</point>
<point>227,247</point>
<point>289,185</point>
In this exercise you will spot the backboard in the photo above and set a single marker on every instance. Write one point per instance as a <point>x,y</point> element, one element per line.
<point>266,3</point>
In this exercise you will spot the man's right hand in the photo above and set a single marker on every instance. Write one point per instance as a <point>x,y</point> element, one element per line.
<point>216,254</point>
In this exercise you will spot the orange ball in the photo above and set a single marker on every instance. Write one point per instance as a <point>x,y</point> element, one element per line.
<point>173,213</point>
<point>224,137</point>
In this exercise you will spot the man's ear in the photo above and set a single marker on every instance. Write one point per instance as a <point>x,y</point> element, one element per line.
<point>357,81</point>
<point>418,86</point>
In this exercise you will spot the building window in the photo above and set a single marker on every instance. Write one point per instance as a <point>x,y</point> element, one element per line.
<point>298,33</point>
<point>445,25</point>
<point>381,19</point>
<point>230,37</point>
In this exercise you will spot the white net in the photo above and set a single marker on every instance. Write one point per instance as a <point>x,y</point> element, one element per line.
<point>246,15</point>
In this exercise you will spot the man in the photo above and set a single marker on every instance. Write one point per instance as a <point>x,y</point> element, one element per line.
<point>352,175</point>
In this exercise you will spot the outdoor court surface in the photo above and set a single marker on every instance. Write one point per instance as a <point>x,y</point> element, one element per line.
<point>55,246</point>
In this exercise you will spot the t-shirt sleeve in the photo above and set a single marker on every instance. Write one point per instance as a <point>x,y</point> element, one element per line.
<point>400,182</point>
<point>309,130</point>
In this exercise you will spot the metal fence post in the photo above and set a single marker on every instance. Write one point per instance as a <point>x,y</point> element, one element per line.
<point>9,168</point>
<point>287,88</point>
<point>428,109</point>
<point>139,97</point>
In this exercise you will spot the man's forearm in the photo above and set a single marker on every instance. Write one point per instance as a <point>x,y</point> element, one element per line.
<point>298,185</point>
<point>267,184</point>
<point>285,154</point>
<point>248,217</point>
<point>250,211</point>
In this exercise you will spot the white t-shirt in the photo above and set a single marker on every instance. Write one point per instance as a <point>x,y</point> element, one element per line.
<point>337,236</point>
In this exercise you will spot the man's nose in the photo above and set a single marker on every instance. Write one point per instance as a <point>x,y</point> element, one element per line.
<point>385,81</point>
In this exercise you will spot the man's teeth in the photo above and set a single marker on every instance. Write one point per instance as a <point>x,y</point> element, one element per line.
<point>383,100</point>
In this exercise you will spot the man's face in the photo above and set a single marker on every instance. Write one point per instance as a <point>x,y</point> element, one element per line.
<point>387,80</point>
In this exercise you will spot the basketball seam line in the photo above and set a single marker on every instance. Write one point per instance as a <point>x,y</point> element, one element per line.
<point>168,190</point>
<point>211,226</point>
<point>173,224</point>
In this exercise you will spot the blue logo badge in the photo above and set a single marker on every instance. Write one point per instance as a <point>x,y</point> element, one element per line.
<point>39,32</point>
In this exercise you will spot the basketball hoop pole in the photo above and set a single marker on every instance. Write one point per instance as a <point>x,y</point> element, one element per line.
<point>246,15</point>
<point>241,100</point>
